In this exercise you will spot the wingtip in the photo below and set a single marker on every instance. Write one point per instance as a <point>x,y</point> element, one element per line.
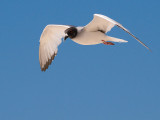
<point>149,49</point>
<point>143,44</point>
<point>48,63</point>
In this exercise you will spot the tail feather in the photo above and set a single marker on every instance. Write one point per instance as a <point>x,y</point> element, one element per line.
<point>115,39</point>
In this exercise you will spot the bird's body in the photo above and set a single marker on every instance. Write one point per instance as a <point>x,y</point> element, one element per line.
<point>89,38</point>
<point>93,37</point>
<point>91,34</point>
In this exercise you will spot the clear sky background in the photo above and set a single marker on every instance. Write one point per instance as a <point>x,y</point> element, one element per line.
<point>98,82</point>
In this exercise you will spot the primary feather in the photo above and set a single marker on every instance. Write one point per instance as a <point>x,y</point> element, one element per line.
<point>49,42</point>
<point>105,24</point>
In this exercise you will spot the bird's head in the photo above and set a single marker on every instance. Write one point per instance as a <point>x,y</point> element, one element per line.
<point>71,33</point>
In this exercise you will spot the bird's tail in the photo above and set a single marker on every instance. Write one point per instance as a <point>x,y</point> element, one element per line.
<point>115,39</point>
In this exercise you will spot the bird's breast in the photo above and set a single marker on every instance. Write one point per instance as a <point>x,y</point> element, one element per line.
<point>89,38</point>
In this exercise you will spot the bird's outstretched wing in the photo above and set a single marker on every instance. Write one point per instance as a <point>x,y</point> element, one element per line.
<point>105,24</point>
<point>49,41</point>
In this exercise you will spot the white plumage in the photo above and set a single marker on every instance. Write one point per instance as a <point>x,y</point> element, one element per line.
<point>93,33</point>
<point>49,42</point>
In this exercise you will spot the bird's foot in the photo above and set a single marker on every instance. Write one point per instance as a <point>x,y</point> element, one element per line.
<point>107,43</point>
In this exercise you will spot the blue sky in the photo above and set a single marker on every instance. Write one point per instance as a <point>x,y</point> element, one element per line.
<point>96,82</point>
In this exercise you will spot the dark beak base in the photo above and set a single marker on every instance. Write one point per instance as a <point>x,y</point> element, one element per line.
<point>65,37</point>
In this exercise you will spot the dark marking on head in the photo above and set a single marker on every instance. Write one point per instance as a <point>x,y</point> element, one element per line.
<point>71,32</point>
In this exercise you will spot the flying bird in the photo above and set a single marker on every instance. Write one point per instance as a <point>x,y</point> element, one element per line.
<point>92,33</point>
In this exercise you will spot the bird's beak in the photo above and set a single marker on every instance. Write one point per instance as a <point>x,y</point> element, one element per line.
<point>65,37</point>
